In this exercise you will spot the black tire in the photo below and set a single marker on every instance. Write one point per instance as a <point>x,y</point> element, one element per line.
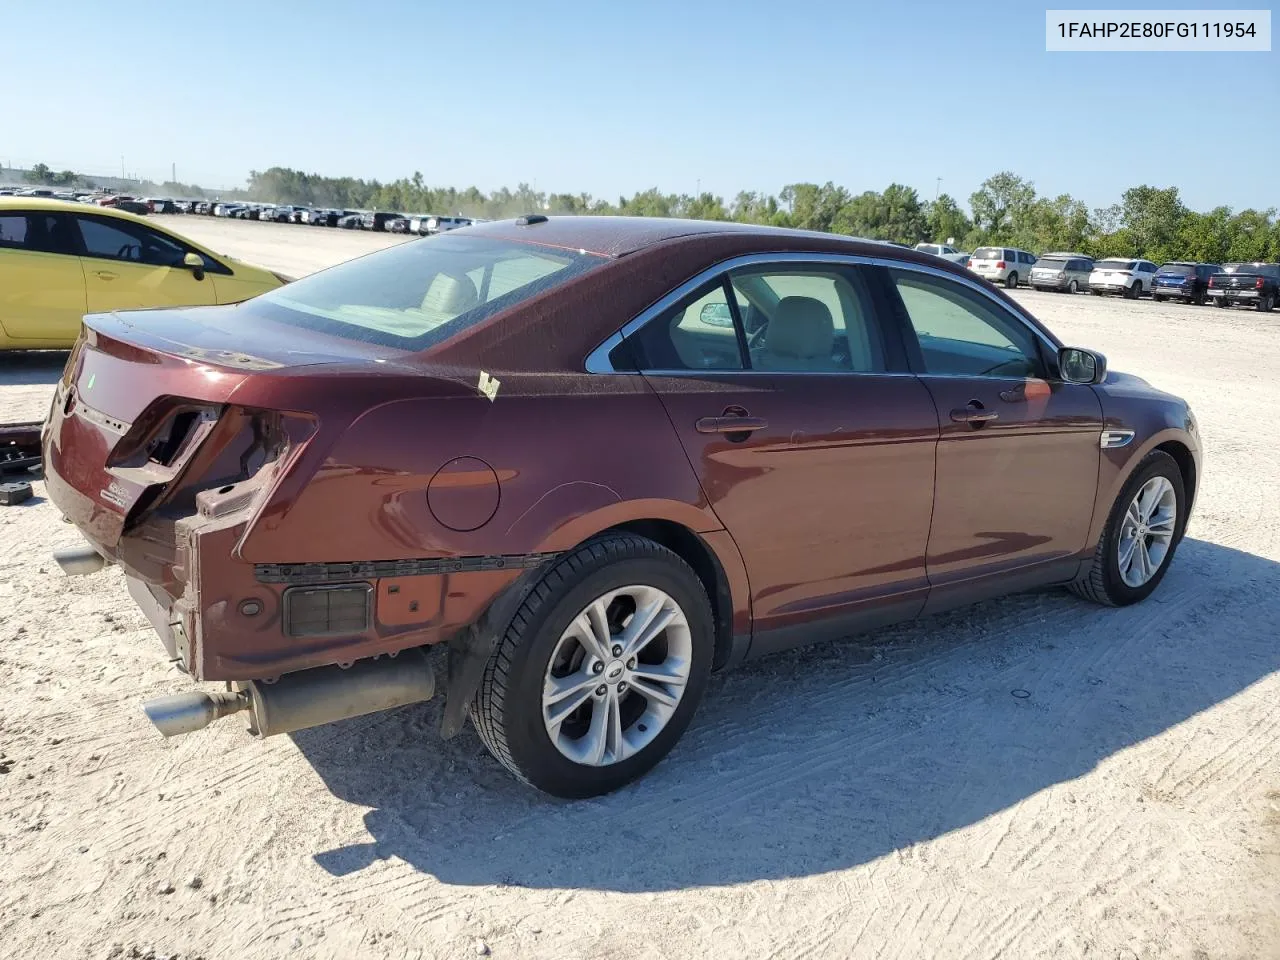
<point>1072,287</point>
<point>1157,299</point>
<point>1267,304</point>
<point>1096,293</point>
<point>507,710</point>
<point>1011,281</point>
<point>1221,302</point>
<point>1103,583</point>
<point>1133,291</point>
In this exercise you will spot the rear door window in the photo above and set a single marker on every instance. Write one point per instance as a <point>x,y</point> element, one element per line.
<point>809,320</point>
<point>698,333</point>
<point>36,233</point>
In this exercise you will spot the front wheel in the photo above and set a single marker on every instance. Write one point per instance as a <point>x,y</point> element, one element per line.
<point>601,669</point>
<point>1142,533</point>
<point>1011,281</point>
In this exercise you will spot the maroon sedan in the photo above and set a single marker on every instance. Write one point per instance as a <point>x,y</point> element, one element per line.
<point>565,468</point>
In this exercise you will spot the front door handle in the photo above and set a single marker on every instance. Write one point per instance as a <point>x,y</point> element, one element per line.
<point>730,424</point>
<point>107,275</point>
<point>974,414</point>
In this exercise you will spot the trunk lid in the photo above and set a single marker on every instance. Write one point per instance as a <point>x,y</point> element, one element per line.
<point>147,395</point>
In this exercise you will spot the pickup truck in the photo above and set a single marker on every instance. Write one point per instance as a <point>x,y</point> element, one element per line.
<point>1256,284</point>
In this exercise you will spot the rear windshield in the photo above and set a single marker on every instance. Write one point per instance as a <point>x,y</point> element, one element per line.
<point>988,253</point>
<point>1052,263</point>
<point>420,293</point>
<point>1114,265</point>
<point>1181,269</point>
<point>928,248</point>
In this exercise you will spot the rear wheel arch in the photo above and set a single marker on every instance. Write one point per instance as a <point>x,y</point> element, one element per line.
<point>698,554</point>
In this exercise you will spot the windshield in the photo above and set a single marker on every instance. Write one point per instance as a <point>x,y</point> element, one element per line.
<point>420,293</point>
<point>1114,265</point>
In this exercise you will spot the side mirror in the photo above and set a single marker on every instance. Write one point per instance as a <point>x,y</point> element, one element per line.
<point>195,263</point>
<point>1077,365</point>
<point>716,315</point>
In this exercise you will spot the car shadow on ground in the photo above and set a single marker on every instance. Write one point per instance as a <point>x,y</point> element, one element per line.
<point>22,368</point>
<point>829,757</point>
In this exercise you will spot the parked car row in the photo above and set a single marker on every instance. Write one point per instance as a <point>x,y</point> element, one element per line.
<point>381,220</point>
<point>1252,284</point>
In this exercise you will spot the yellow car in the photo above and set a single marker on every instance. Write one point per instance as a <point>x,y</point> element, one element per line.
<point>60,260</point>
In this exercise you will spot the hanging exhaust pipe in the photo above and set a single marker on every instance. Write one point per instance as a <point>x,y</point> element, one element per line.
<point>188,712</point>
<point>79,561</point>
<point>305,699</point>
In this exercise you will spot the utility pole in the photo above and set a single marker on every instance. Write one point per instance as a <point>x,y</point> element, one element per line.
<point>937,187</point>
<point>173,173</point>
<point>122,176</point>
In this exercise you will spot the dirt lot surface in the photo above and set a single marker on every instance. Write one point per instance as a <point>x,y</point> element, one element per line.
<point>884,797</point>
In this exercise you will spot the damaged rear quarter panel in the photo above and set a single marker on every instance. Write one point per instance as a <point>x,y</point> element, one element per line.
<point>569,459</point>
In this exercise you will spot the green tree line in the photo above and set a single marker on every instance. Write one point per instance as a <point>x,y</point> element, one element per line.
<point>1150,222</point>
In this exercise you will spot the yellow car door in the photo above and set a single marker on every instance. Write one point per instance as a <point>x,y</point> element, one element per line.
<point>42,289</point>
<point>127,265</point>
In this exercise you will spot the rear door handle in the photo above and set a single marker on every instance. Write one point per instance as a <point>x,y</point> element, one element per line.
<point>730,424</point>
<point>107,275</point>
<point>974,414</point>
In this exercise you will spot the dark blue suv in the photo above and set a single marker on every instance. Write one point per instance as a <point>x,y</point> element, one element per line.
<point>1188,282</point>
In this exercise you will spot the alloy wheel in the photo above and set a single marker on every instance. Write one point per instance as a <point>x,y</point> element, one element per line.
<point>617,675</point>
<point>1146,533</point>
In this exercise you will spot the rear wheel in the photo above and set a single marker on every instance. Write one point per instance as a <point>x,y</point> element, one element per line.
<point>600,670</point>
<point>1133,291</point>
<point>1267,304</point>
<point>1011,281</point>
<point>1072,287</point>
<point>1141,535</point>
<point>1221,302</point>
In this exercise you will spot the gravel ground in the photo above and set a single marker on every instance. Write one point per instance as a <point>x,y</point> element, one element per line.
<point>883,797</point>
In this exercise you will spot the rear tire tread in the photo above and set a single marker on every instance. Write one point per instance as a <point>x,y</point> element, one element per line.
<point>488,708</point>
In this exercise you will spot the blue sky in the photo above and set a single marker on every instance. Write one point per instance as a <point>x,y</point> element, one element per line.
<point>610,98</point>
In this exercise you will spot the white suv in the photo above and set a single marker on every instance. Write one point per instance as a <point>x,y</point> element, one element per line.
<point>1122,275</point>
<point>943,250</point>
<point>1007,265</point>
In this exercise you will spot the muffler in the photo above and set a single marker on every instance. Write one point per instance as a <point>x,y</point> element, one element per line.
<point>79,561</point>
<point>305,699</point>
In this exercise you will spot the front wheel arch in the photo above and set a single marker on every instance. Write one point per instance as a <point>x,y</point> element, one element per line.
<point>1186,466</point>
